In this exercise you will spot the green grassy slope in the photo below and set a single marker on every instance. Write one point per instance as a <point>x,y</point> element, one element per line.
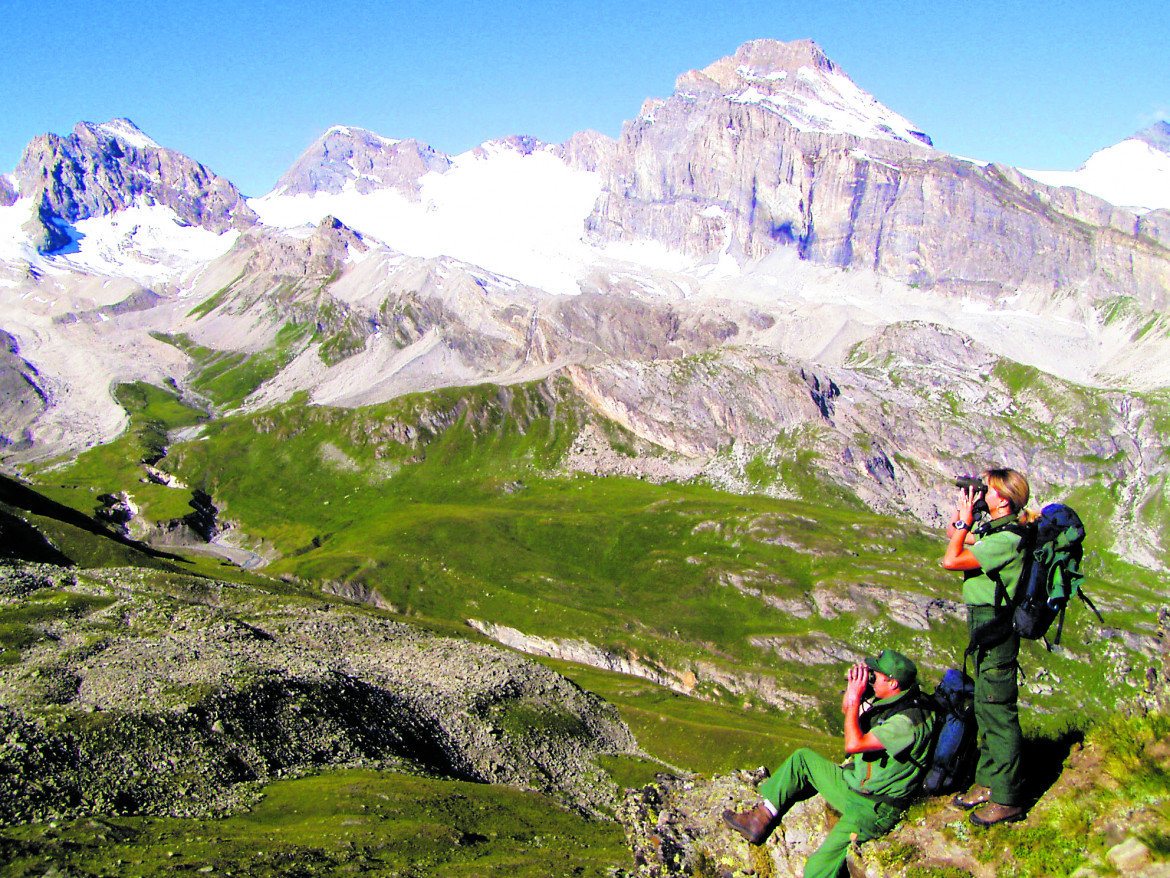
<point>341,823</point>
<point>451,506</point>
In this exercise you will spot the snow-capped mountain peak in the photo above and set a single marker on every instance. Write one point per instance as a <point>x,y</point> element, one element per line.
<point>120,129</point>
<point>1134,173</point>
<point>799,82</point>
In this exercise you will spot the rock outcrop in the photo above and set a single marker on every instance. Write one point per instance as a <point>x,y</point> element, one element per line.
<point>743,158</point>
<point>99,169</point>
<point>354,158</point>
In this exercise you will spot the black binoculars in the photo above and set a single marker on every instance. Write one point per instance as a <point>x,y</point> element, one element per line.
<point>976,484</point>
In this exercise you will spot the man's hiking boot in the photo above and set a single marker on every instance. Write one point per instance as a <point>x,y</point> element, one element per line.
<point>754,825</point>
<point>973,798</point>
<point>993,813</point>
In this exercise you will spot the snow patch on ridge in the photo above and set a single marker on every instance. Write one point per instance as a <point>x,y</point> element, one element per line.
<point>147,243</point>
<point>129,133</point>
<point>347,131</point>
<point>836,106</point>
<point>518,215</point>
<point>14,243</point>
<point>1129,174</point>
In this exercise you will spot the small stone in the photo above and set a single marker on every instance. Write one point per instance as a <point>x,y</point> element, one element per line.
<point>1129,856</point>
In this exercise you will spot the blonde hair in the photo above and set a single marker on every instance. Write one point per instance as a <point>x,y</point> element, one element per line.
<point>1013,486</point>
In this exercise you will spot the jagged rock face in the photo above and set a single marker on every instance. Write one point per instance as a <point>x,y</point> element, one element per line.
<point>1157,136</point>
<point>8,193</point>
<point>345,158</point>
<point>99,169</point>
<point>739,159</point>
<point>731,157</point>
<point>799,82</point>
<point>587,151</point>
<point>317,256</point>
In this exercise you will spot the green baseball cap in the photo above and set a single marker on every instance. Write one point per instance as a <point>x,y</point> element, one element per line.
<point>894,664</point>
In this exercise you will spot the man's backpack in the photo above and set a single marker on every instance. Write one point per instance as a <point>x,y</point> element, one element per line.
<point>951,763</point>
<point>1053,547</point>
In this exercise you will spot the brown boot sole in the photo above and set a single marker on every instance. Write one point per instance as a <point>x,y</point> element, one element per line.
<point>1010,818</point>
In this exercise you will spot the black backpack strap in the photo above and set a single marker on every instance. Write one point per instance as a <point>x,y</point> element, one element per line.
<point>1084,597</point>
<point>1059,629</point>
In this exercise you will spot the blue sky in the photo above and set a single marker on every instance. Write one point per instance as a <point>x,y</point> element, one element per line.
<point>245,87</point>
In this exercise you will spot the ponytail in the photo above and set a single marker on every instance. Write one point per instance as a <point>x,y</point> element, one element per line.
<point>1028,515</point>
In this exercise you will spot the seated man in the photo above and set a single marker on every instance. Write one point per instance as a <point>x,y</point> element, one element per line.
<point>889,743</point>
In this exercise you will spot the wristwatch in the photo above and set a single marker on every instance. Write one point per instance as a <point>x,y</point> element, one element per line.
<point>961,525</point>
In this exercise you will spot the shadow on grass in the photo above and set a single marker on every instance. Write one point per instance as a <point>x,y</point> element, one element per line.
<point>20,540</point>
<point>1044,758</point>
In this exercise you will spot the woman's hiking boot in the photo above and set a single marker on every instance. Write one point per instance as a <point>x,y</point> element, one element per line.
<point>754,825</point>
<point>973,798</point>
<point>993,813</point>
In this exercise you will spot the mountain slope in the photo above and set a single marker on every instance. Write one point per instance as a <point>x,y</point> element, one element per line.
<point>707,172</point>
<point>769,218</point>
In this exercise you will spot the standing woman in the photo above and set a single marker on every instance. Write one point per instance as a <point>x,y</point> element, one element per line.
<point>990,555</point>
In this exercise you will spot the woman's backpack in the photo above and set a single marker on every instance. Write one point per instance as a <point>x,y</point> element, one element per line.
<point>1052,574</point>
<point>1053,548</point>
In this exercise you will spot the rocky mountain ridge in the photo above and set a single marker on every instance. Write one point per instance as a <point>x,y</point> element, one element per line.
<point>353,157</point>
<point>100,169</point>
<point>709,171</point>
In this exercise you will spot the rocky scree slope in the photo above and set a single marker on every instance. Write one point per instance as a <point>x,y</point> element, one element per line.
<point>24,400</point>
<point>153,693</point>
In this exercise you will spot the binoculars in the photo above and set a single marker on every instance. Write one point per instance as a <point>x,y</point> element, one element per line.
<point>976,484</point>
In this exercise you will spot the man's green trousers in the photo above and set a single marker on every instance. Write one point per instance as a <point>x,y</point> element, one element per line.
<point>804,775</point>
